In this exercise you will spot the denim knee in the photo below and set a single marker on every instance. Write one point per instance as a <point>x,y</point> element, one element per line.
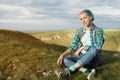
<point>90,54</point>
<point>65,60</point>
<point>93,51</point>
<point>68,61</point>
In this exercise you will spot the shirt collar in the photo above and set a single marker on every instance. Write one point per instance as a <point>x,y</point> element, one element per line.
<point>93,27</point>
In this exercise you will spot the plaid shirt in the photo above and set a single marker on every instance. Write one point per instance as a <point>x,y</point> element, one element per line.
<point>94,43</point>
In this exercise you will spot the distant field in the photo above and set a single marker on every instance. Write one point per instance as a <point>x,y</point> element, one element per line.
<point>64,39</point>
<point>33,56</point>
<point>112,38</point>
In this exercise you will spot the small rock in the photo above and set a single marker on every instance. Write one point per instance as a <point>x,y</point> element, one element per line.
<point>117,54</point>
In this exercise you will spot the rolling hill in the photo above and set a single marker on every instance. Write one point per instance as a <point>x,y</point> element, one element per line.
<point>24,57</point>
<point>32,56</point>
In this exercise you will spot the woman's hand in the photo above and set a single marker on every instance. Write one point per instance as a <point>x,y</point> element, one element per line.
<point>83,48</point>
<point>60,59</point>
<point>79,50</point>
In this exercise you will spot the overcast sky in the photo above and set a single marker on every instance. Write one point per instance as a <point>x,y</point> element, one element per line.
<point>41,15</point>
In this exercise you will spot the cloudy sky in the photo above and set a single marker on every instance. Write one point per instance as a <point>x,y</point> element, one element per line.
<point>41,15</point>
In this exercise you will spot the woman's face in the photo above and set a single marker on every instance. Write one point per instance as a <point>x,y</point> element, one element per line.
<point>85,19</point>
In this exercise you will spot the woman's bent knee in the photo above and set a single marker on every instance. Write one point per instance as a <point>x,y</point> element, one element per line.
<point>65,60</point>
<point>93,51</point>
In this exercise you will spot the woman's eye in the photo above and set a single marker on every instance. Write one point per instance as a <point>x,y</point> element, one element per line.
<point>85,17</point>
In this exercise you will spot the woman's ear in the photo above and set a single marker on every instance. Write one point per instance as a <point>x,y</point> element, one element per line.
<point>91,18</point>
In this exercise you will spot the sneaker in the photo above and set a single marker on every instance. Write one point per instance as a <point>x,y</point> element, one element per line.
<point>64,75</point>
<point>57,72</point>
<point>91,74</point>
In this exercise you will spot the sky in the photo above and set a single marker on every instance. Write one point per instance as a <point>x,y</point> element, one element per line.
<point>45,15</point>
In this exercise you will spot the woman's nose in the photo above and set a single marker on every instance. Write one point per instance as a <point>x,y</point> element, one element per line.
<point>83,21</point>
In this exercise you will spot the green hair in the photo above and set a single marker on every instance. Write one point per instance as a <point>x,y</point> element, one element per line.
<point>89,13</point>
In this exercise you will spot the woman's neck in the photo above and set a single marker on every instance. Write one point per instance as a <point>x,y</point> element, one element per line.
<point>89,27</point>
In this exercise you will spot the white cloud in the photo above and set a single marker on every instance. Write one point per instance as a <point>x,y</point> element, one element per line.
<point>107,10</point>
<point>11,11</point>
<point>19,12</point>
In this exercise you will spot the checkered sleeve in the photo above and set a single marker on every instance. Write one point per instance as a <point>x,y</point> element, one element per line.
<point>75,43</point>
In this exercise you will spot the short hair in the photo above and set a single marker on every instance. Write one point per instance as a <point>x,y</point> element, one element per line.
<point>89,13</point>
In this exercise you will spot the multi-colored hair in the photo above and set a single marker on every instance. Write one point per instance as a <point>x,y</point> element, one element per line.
<point>89,13</point>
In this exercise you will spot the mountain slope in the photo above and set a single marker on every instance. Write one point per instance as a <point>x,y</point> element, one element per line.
<point>23,57</point>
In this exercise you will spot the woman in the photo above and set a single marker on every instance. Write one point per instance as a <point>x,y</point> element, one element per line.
<point>87,48</point>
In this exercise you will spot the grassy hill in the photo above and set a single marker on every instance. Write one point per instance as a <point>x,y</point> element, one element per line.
<point>23,57</point>
<point>32,56</point>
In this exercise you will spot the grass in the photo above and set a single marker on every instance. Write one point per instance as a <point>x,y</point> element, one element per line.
<point>24,57</point>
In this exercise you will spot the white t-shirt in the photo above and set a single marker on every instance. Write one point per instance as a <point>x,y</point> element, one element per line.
<point>86,40</point>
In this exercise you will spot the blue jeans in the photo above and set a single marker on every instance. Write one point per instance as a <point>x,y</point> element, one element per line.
<point>91,57</point>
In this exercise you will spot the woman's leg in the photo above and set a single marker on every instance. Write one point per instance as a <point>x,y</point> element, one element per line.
<point>69,61</point>
<point>74,63</point>
<point>96,61</point>
<point>80,61</point>
<point>90,54</point>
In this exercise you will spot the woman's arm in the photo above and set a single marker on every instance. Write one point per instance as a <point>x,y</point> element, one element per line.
<point>60,59</point>
<point>76,42</point>
<point>77,52</point>
<point>73,47</point>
